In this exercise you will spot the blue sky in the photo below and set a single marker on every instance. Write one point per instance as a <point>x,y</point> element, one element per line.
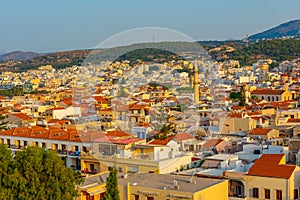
<point>45,26</point>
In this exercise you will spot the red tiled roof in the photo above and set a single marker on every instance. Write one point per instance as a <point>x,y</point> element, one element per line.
<point>267,92</point>
<point>235,115</point>
<point>161,142</point>
<point>254,113</point>
<point>60,121</point>
<point>212,143</point>
<point>118,133</point>
<point>21,116</point>
<point>258,119</point>
<point>260,131</point>
<point>54,134</point>
<point>101,99</point>
<point>68,101</point>
<point>126,140</point>
<point>137,107</point>
<point>268,165</point>
<point>105,139</point>
<point>183,136</point>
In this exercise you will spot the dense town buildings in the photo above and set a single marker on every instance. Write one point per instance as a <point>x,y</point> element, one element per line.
<point>236,135</point>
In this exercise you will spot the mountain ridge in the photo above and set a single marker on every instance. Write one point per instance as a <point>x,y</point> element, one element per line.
<point>286,29</point>
<point>18,55</point>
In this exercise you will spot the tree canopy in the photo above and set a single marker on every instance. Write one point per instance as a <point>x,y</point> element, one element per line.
<point>276,49</point>
<point>112,191</point>
<point>3,121</point>
<point>35,174</point>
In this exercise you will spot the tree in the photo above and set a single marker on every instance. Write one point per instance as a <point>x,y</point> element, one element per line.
<point>3,121</point>
<point>254,97</point>
<point>5,172</point>
<point>235,95</point>
<point>112,191</point>
<point>166,131</point>
<point>36,174</point>
<point>242,98</point>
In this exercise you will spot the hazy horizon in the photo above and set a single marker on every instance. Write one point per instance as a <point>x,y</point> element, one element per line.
<point>57,26</point>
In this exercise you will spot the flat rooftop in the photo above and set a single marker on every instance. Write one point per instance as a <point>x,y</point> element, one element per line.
<point>161,181</point>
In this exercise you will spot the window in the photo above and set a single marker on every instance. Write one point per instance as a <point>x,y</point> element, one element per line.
<point>239,191</point>
<point>279,194</point>
<point>136,197</point>
<point>150,198</point>
<point>92,167</point>
<point>296,194</point>
<point>255,193</point>
<point>267,194</point>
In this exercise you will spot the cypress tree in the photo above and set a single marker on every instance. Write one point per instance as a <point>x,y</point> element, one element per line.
<point>112,191</point>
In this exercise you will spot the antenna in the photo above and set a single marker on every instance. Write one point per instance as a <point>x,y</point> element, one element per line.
<point>153,38</point>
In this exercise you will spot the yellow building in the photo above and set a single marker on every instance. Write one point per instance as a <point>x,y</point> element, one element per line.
<point>93,187</point>
<point>271,178</point>
<point>264,133</point>
<point>236,124</point>
<point>134,157</point>
<point>147,186</point>
<point>272,95</point>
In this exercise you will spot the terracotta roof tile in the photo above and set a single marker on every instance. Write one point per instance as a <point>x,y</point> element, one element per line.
<point>161,142</point>
<point>271,165</point>
<point>21,116</point>
<point>212,143</point>
<point>260,131</point>
<point>183,136</point>
<point>67,101</point>
<point>118,133</point>
<point>235,115</point>
<point>101,99</point>
<point>267,92</point>
<point>137,107</point>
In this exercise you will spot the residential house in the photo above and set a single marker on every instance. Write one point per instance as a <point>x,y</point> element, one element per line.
<point>272,95</point>
<point>264,133</point>
<point>271,178</point>
<point>93,187</point>
<point>20,119</point>
<point>139,113</point>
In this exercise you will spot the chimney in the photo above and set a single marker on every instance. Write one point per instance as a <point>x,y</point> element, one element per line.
<point>176,186</point>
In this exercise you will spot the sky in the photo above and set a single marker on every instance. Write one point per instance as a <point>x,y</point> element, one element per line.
<point>57,25</point>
